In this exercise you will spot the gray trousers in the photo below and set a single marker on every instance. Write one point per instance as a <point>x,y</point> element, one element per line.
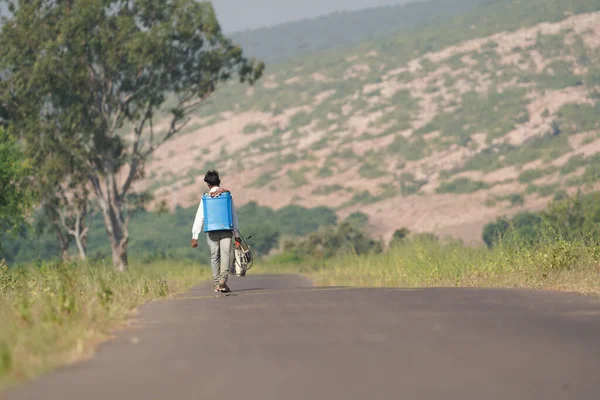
<point>219,243</point>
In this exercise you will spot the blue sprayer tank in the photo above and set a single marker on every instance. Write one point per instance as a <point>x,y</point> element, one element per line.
<point>218,215</point>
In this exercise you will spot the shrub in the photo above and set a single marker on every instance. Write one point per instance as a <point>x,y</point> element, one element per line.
<point>253,128</point>
<point>300,119</point>
<point>530,175</point>
<point>370,171</point>
<point>409,184</point>
<point>329,242</point>
<point>460,186</point>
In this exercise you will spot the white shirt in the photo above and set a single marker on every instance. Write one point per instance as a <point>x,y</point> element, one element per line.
<point>199,221</point>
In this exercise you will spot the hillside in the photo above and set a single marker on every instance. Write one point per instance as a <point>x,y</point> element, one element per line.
<point>442,129</point>
<point>343,29</point>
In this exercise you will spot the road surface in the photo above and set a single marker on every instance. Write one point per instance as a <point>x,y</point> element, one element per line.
<point>279,338</point>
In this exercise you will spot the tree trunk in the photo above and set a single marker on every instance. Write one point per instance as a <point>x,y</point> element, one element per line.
<point>63,241</point>
<point>116,228</point>
<point>80,233</point>
<point>114,221</point>
<point>76,228</point>
<point>79,241</point>
<point>119,255</point>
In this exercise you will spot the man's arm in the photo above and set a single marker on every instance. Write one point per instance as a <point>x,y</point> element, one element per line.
<point>198,224</point>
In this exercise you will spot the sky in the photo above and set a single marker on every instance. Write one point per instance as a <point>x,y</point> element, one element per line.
<point>238,15</point>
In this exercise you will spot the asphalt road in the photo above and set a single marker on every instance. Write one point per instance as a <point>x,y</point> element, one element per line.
<point>280,338</point>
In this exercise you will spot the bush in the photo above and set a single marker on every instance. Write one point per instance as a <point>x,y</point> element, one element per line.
<point>253,128</point>
<point>409,184</point>
<point>370,171</point>
<point>576,218</point>
<point>399,235</point>
<point>327,190</point>
<point>300,119</point>
<point>530,175</point>
<point>574,118</point>
<point>329,242</point>
<point>297,176</point>
<point>358,220</point>
<point>461,186</point>
<point>522,225</point>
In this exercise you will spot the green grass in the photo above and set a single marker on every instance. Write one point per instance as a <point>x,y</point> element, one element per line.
<point>52,314</point>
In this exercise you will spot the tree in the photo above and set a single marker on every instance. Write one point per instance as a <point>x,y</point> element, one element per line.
<point>114,80</point>
<point>15,198</point>
<point>331,241</point>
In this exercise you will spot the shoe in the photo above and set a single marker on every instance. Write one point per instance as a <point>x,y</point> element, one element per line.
<point>223,287</point>
<point>218,288</point>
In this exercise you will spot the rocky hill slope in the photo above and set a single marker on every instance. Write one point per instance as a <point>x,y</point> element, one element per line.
<point>415,132</point>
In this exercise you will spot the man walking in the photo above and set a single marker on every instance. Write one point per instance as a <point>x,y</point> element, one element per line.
<point>219,241</point>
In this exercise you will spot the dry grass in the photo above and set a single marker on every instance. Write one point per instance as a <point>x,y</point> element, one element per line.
<point>53,314</point>
<point>555,265</point>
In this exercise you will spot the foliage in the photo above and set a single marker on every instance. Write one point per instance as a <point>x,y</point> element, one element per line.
<point>162,236</point>
<point>15,197</point>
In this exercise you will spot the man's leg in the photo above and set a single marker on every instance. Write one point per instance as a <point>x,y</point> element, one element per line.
<point>215,254</point>
<point>225,244</point>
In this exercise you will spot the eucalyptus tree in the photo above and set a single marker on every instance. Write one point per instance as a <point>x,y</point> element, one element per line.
<point>110,81</point>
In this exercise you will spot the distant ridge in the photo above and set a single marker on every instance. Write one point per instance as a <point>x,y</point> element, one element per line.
<point>343,29</point>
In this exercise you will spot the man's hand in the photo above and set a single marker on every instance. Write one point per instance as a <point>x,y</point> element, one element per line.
<point>194,243</point>
<point>219,191</point>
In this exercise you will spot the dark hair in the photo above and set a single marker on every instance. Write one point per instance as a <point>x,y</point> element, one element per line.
<point>212,178</point>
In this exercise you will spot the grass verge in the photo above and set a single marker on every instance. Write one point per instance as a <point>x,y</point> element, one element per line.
<point>554,264</point>
<point>53,314</point>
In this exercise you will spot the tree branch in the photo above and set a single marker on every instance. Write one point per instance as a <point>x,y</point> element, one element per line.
<point>135,153</point>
